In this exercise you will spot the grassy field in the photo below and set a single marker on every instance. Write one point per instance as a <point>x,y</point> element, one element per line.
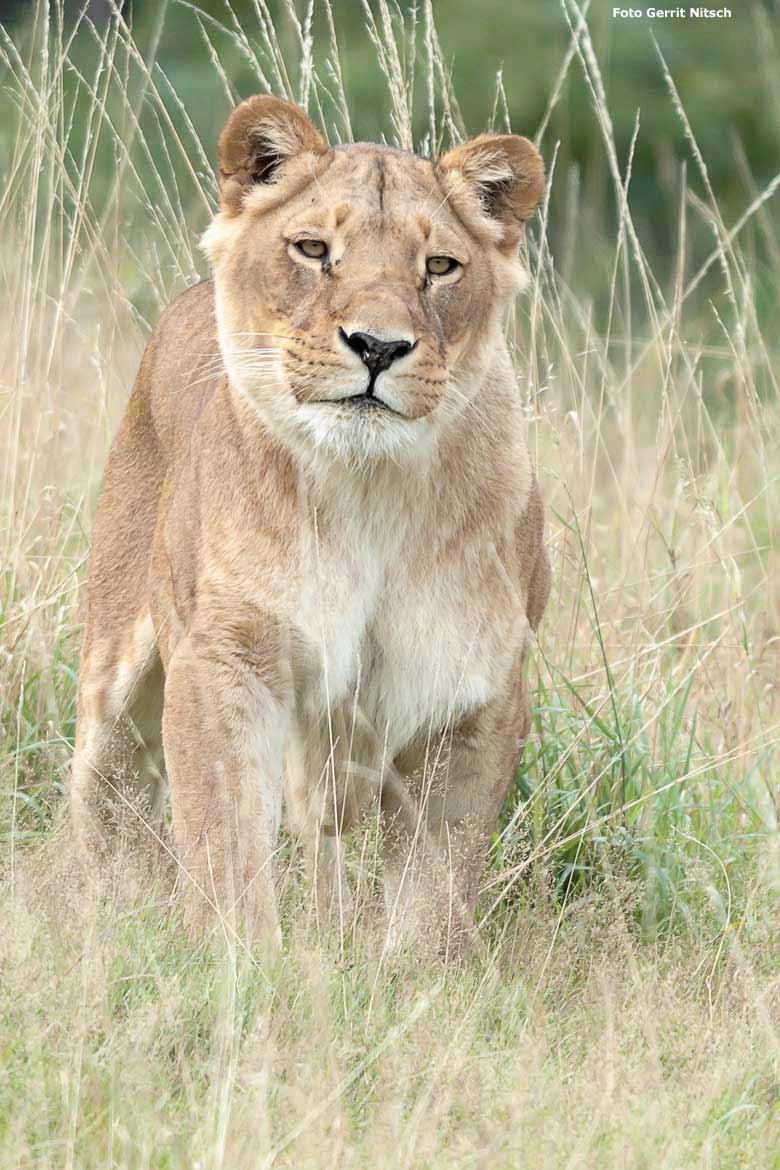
<point>622,1008</point>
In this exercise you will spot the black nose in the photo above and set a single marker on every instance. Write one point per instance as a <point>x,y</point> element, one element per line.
<point>378,355</point>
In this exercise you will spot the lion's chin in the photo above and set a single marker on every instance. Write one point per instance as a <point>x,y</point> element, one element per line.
<point>360,435</point>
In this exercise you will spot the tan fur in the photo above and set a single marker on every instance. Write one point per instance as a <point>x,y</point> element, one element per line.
<point>339,597</point>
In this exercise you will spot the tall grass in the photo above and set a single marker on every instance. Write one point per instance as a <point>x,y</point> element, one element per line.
<point>622,1009</point>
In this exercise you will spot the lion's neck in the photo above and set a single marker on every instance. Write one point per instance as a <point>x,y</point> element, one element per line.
<point>462,480</point>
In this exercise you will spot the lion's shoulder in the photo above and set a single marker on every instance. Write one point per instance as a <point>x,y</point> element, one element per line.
<point>181,367</point>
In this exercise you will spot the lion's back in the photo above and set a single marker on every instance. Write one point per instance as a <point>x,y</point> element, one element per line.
<point>179,372</point>
<point>180,369</point>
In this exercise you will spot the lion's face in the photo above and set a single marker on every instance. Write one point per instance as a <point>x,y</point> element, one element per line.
<point>358,286</point>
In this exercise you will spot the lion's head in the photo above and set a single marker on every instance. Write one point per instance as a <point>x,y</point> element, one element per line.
<point>361,288</point>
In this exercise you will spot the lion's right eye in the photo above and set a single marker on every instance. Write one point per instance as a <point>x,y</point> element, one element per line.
<point>441,265</point>
<point>313,249</point>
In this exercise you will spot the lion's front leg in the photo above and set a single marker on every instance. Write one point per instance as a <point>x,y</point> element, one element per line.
<point>433,867</point>
<point>224,727</point>
<point>322,807</point>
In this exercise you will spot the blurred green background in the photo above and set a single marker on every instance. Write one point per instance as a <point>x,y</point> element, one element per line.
<point>726,73</point>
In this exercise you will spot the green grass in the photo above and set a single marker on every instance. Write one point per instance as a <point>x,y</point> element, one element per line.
<point>569,1042</point>
<point>622,1008</point>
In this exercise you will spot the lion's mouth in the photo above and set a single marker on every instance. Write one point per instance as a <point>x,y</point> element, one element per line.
<point>366,402</point>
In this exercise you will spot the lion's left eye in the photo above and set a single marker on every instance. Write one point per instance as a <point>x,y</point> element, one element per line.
<point>314,249</point>
<point>441,265</point>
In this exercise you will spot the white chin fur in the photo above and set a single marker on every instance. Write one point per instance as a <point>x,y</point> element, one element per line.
<point>359,437</point>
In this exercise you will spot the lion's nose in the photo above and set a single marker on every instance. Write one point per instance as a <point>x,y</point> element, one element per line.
<point>378,355</point>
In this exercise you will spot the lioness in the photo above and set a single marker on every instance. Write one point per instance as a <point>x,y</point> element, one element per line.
<point>318,553</point>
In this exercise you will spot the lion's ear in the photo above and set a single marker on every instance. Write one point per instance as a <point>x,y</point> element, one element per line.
<point>506,175</point>
<point>261,135</point>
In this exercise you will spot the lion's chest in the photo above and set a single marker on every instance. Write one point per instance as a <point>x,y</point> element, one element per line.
<point>429,658</point>
<point>413,649</point>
